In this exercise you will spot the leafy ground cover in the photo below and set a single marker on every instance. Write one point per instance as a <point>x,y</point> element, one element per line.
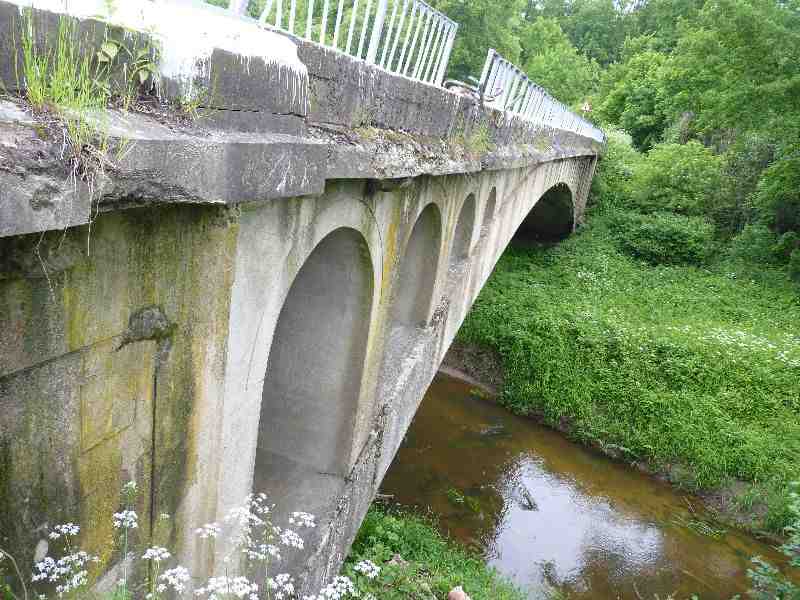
<point>417,562</point>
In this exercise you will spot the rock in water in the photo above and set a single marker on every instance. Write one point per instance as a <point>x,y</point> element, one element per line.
<point>525,498</point>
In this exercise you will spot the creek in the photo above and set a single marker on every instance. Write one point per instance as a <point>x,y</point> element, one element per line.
<point>555,516</point>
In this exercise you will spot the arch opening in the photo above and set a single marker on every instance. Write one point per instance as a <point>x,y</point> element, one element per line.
<point>462,237</point>
<point>491,205</point>
<point>551,220</point>
<point>310,393</point>
<point>416,279</point>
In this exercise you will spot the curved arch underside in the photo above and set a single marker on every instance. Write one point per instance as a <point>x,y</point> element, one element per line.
<point>312,383</point>
<point>491,205</point>
<point>462,237</point>
<point>417,275</point>
<point>552,218</point>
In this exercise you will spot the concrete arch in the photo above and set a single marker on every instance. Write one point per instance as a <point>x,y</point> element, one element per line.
<point>491,206</point>
<point>551,219</point>
<point>462,235</point>
<point>416,278</point>
<point>310,393</point>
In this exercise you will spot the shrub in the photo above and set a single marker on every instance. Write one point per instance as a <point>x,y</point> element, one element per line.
<point>664,238</point>
<point>619,162</point>
<point>680,366</point>
<point>767,582</point>
<point>786,245</point>
<point>429,565</point>
<point>794,265</point>
<point>778,194</point>
<point>679,178</point>
<point>745,161</point>
<point>755,244</point>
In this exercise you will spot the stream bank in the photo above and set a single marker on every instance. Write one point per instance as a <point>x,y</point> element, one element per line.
<point>482,369</point>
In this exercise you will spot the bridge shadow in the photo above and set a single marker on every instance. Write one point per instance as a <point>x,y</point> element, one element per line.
<point>551,220</point>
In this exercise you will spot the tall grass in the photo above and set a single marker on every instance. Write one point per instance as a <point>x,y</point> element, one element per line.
<point>64,79</point>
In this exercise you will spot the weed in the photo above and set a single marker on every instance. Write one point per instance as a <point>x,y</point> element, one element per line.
<point>416,561</point>
<point>66,81</point>
<point>472,135</point>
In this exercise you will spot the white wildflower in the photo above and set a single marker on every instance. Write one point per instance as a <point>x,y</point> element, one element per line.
<point>209,530</point>
<point>367,568</point>
<point>302,519</point>
<point>65,530</point>
<point>176,578</point>
<point>68,573</point>
<point>340,587</point>
<point>282,585</point>
<point>290,539</point>
<point>156,554</point>
<point>127,519</point>
<point>218,587</point>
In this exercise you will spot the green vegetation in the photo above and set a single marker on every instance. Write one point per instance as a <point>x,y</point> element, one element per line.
<point>66,81</point>
<point>417,562</point>
<point>659,333</point>
<point>767,582</point>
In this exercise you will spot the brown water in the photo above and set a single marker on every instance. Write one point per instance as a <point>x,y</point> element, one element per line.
<point>587,526</point>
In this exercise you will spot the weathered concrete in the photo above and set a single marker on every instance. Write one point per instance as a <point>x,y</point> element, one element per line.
<point>235,309</point>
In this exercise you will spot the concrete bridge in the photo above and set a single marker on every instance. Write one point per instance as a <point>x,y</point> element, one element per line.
<point>253,301</point>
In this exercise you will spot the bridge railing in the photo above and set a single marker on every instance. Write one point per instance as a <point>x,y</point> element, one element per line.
<point>408,37</point>
<point>506,87</point>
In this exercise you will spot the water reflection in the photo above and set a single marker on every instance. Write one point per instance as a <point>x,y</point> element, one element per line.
<point>551,514</point>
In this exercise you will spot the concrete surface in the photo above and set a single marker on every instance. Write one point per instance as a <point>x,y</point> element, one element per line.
<point>255,301</point>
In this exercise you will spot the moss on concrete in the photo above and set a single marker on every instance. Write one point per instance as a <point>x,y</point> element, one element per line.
<point>112,388</point>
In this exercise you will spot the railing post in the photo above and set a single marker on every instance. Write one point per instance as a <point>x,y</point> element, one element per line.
<point>445,60</point>
<point>377,30</point>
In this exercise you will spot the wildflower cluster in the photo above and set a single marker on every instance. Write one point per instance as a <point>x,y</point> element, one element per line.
<point>209,530</point>
<point>65,530</point>
<point>174,579</point>
<point>367,568</point>
<point>218,587</point>
<point>70,572</point>
<point>340,587</point>
<point>126,519</point>
<point>302,519</point>
<point>156,554</point>
<point>282,585</point>
<point>252,534</point>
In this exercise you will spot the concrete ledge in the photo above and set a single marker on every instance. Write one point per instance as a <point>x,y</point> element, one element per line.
<point>149,163</point>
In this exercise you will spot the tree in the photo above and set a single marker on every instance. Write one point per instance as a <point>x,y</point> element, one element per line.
<point>736,68</point>
<point>554,63</point>
<point>660,19</point>
<point>631,93</point>
<point>482,25</point>
<point>597,29</point>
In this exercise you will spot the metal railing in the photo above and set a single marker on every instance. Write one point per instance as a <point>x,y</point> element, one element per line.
<point>408,37</point>
<point>506,87</point>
